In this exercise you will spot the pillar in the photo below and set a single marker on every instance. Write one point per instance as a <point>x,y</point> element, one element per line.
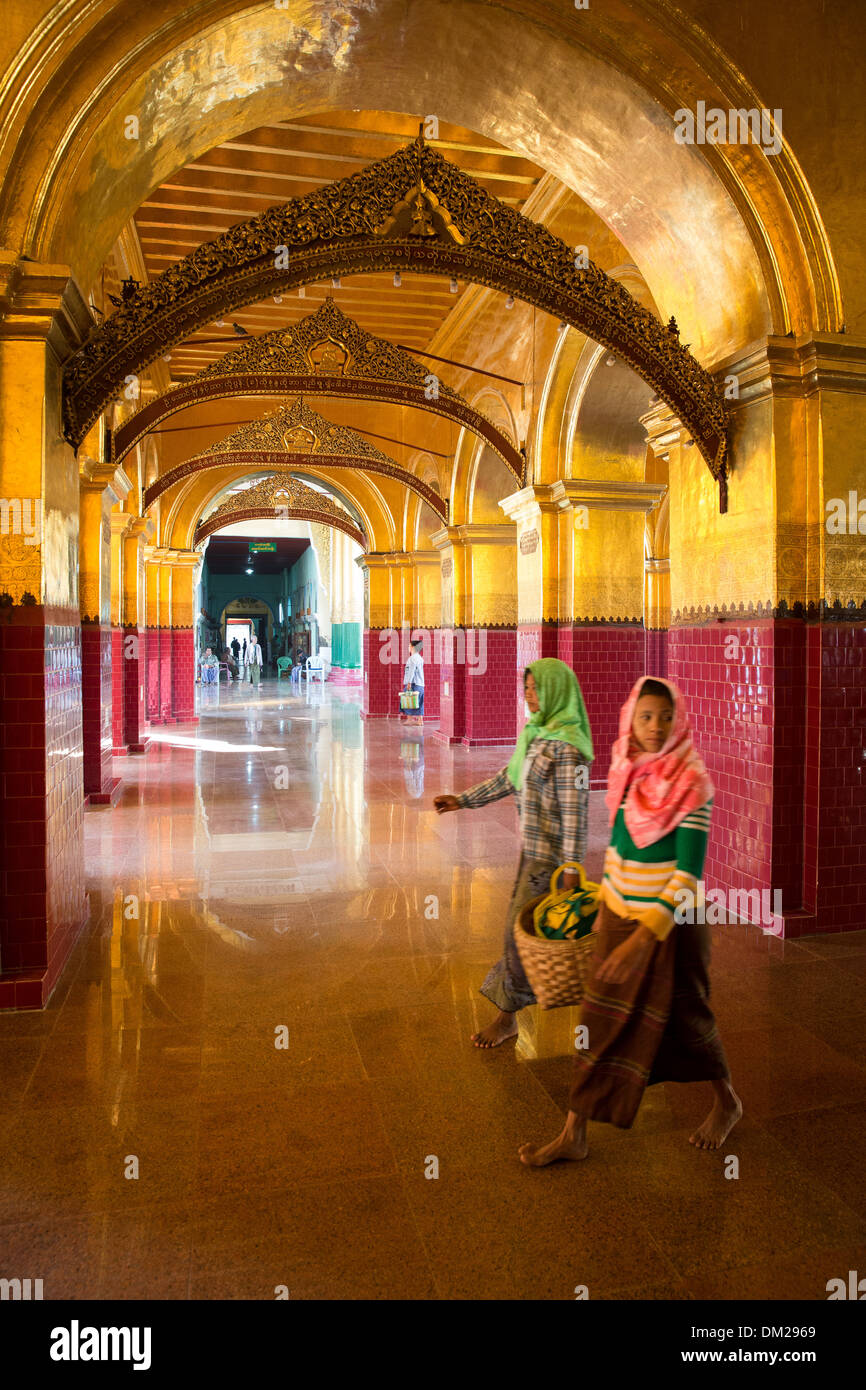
<point>152,648</point>
<point>135,535</point>
<point>383,632</point>
<point>657,614</point>
<point>479,633</point>
<point>536,518</point>
<point>43,904</point>
<point>165,642</point>
<point>183,567</point>
<point>101,487</point>
<point>602,634</point>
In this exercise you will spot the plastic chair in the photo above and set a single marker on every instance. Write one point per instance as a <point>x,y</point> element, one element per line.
<point>284,664</point>
<point>315,666</point>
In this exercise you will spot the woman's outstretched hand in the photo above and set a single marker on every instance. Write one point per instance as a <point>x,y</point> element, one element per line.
<point>446,803</point>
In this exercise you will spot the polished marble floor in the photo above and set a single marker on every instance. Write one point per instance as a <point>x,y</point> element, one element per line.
<point>275,874</point>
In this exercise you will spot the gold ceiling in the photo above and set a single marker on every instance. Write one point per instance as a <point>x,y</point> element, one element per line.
<point>243,177</point>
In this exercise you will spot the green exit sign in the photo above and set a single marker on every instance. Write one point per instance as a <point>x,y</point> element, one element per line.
<point>263,547</point>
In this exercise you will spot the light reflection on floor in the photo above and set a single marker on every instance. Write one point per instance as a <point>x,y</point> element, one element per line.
<point>278,866</point>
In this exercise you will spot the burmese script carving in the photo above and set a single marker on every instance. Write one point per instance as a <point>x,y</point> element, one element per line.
<point>414,210</point>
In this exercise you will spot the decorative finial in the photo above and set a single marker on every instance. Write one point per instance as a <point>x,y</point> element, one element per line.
<point>672,326</point>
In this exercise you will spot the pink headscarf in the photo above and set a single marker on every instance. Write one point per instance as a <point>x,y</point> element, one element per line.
<point>663,787</point>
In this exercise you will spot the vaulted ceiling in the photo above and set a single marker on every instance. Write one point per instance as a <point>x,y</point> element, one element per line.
<point>269,165</point>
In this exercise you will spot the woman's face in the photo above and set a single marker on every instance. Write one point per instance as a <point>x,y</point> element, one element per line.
<point>652,722</point>
<point>531,694</point>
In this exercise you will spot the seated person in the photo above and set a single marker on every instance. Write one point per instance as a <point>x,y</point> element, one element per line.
<point>209,667</point>
<point>230,664</point>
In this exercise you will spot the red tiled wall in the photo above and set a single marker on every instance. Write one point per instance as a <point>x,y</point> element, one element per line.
<point>43,905</point>
<point>183,674</point>
<point>607,660</point>
<point>118,741</point>
<point>165,675</point>
<point>134,701</point>
<point>841,847</point>
<point>780,719</point>
<point>383,678</point>
<point>488,683</point>
<point>152,681</point>
<point>96,707</point>
<point>729,698</point>
<point>452,688</point>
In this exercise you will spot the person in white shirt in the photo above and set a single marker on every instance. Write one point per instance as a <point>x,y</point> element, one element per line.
<point>254,661</point>
<point>413,679</point>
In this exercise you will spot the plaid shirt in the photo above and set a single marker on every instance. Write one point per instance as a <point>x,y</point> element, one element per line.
<point>553,813</point>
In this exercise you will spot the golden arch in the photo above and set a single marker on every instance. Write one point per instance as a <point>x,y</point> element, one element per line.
<point>287,462</point>
<point>414,211</point>
<point>288,361</point>
<point>207,528</point>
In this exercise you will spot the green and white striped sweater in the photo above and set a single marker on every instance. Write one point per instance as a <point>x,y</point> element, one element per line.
<point>643,883</point>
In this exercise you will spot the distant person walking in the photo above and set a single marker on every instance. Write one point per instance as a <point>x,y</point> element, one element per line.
<point>254,661</point>
<point>236,649</point>
<point>413,679</point>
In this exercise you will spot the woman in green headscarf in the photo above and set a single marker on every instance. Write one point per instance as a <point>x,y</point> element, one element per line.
<point>549,774</point>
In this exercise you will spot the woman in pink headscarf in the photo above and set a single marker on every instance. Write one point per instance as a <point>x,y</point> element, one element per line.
<point>646,1006</point>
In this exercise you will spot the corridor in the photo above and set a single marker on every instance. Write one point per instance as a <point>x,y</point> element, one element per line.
<point>255,1073</point>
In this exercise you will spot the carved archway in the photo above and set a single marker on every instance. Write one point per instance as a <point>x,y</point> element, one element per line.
<point>414,211</point>
<point>279,499</point>
<point>325,354</point>
<point>266,443</point>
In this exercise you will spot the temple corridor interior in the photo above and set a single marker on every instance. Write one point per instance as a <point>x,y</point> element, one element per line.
<point>354,360</point>
<point>228,902</point>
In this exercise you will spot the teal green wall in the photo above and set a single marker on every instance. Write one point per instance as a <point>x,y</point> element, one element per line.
<point>346,645</point>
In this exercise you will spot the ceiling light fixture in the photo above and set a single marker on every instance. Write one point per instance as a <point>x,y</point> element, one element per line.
<point>611,362</point>
<point>509,303</point>
<point>453,287</point>
<point>397,280</point>
<point>278,299</point>
<point>249,571</point>
<point>335,282</point>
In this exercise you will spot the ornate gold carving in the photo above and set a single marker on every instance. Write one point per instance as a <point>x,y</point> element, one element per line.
<point>357,224</point>
<point>284,438</point>
<point>325,350</point>
<point>420,214</point>
<point>284,498</point>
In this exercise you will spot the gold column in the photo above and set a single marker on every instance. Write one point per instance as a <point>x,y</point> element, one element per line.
<point>101,487</point>
<point>427,589</point>
<point>537,530</point>
<point>137,533</point>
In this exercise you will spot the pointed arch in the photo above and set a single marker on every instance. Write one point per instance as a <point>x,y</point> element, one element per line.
<point>413,211</point>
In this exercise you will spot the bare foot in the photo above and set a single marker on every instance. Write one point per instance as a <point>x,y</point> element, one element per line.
<point>719,1123</point>
<point>570,1144</point>
<point>504,1026</point>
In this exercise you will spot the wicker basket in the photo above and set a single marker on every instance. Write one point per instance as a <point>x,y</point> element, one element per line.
<point>556,970</point>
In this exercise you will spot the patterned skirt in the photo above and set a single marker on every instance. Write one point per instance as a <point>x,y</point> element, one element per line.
<point>655,1026</point>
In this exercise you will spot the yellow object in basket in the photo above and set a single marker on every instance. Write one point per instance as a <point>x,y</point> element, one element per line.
<point>567,914</point>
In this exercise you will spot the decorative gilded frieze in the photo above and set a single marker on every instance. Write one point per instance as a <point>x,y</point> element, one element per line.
<point>414,210</point>
<point>290,437</point>
<point>280,498</point>
<point>325,354</point>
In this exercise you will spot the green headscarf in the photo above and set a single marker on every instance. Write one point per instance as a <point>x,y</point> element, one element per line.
<point>561,714</point>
